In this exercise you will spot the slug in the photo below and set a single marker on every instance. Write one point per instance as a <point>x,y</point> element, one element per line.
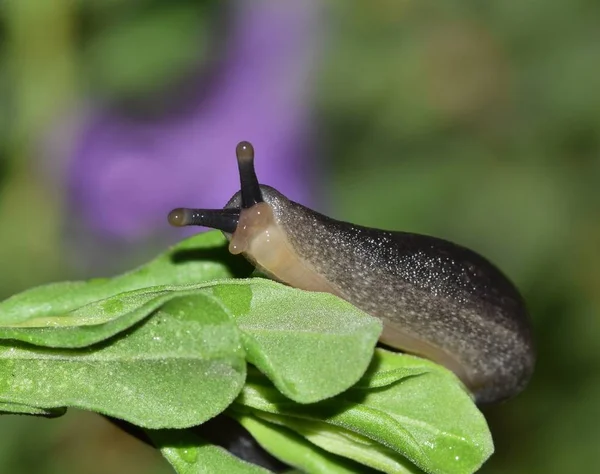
<point>436,299</point>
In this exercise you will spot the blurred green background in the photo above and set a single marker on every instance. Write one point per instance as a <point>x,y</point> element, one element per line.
<point>475,121</point>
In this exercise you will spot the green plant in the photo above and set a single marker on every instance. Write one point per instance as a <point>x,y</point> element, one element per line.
<point>184,338</point>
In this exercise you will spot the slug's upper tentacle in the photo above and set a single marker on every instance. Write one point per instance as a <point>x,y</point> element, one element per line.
<point>251,194</point>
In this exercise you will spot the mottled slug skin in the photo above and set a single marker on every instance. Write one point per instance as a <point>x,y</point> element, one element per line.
<point>435,298</point>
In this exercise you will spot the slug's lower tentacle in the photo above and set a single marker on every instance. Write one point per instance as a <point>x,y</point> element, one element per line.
<point>225,220</point>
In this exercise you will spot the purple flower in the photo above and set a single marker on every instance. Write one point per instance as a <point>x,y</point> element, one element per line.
<point>126,173</point>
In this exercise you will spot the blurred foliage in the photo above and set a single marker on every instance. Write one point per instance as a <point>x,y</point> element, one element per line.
<point>480,122</point>
<point>474,121</point>
<point>177,38</point>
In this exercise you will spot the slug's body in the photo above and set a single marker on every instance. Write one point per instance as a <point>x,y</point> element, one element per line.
<point>436,299</point>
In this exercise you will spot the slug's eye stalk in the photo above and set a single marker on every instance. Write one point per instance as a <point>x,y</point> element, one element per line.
<point>225,220</point>
<point>251,194</point>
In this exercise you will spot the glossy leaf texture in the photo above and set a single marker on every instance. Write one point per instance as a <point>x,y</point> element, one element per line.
<point>404,410</point>
<point>177,369</point>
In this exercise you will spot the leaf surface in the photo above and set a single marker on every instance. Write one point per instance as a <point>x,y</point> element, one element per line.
<point>403,408</point>
<point>176,369</point>
<point>311,345</point>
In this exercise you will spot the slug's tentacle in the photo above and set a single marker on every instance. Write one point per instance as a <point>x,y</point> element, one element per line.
<point>225,220</point>
<point>251,194</point>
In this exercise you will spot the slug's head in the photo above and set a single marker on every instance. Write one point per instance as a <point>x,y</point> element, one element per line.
<point>246,217</point>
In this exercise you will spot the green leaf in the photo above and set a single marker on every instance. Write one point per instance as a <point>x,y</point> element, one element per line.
<point>91,323</point>
<point>176,369</point>
<point>189,454</point>
<point>294,450</point>
<point>332,439</point>
<point>404,407</point>
<point>102,319</point>
<point>311,345</point>
<point>78,314</point>
<point>200,258</point>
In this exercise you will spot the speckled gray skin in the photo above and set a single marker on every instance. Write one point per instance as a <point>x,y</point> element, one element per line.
<point>435,290</point>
